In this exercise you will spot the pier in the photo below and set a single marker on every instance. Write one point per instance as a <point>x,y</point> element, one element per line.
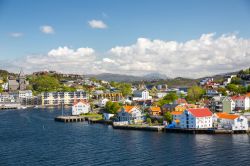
<point>145,128</point>
<point>67,119</point>
<point>204,131</point>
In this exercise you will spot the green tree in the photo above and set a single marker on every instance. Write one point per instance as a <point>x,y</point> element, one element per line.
<point>112,107</point>
<point>149,121</point>
<point>195,93</point>
<point>242,89</point>
<point>67,89</point>
<point>236,80</point>
<point>248,88</point>
<point>1,88</point>
<point>232,88</point>
<point>45,83</point>
<point>125,89</point>
<point>171,97</point>
<point>223,91</point>
<point>168,117</point>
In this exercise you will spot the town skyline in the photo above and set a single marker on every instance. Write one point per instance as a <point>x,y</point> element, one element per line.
<point>151,38</point>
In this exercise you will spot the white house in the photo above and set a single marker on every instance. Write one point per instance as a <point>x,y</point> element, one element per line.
<point>228,79</point>
<point>103,102</point>
<point>130,114</point>
<point>241,102</point>
<point>80,107</point>
<point>231,121</point>
<point>141,95</point>
<point>196,118</point>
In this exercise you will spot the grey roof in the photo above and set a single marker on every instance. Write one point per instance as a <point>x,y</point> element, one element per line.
<point>170,106</point>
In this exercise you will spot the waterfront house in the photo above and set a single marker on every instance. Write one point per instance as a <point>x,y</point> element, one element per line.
<point>241,102</point>
<point>130,114</point>
<point>155,111</point>
<point>176,118</point>
<point>196,118</point>
<point>81,107</point>
<point>231,121</point>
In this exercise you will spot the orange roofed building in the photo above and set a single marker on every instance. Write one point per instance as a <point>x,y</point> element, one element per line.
<point>130,114</point>
<point>155,111</point>
<point>231,121</point>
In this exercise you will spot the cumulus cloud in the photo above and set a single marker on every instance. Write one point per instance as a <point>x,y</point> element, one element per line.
<point>207,55</point>
<point>47,29</point>
<point>62,59</point>
<point>97,24</point>
<point>16,34</point>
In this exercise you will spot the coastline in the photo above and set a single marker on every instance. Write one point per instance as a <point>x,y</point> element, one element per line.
<point>67,119</point>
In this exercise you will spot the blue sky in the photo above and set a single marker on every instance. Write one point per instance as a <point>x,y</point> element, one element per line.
<point>126,21</point>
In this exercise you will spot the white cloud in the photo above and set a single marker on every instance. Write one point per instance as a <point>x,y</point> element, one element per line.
<point>16,34</point>
<point>47,29</point>
<point>97,24</point>
<point>62,59</point>
<point>207,55</point>
<point>200,57</point>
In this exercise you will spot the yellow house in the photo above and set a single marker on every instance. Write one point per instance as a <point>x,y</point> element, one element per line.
<point>155,110</point>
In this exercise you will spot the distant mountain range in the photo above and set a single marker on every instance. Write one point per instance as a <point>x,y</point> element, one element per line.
<point>128,78</point>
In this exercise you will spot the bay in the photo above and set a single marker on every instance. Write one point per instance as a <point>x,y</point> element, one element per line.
<point>32,137</point>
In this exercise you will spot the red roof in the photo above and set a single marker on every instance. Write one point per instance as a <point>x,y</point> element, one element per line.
<point>200,112</point>
<point>238,97</point>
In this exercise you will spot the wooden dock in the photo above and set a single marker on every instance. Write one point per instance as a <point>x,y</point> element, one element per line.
<point>67,119</point>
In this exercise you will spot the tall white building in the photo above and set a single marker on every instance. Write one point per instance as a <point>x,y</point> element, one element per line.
<point>241,102</point>
<point>196,118</point>
<point>141,95</point>
<point>67,98</point>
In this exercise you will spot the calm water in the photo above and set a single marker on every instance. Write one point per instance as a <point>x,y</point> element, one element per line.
<point>31,137</point>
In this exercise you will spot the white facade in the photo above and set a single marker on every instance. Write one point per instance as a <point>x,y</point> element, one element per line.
<point>80,108</point>
<point>25,94</point>
<point>141,95</point>
<point>103,102</point>
<point>57,98</point>
<point>241,102</point>
<point>7,98</point>
<point>190,120</point>
<point>131,114</point>
<point>232,122</point>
